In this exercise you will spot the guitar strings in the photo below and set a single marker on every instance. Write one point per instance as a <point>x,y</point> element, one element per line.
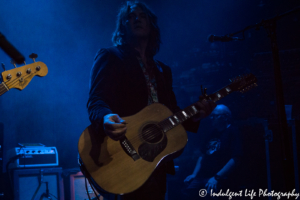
<point>14,81</point>
<point>150,134</point>
<point>5,89</point>
<point>165,123</point>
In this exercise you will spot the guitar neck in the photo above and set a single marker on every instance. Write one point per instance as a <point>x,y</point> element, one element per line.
<point>191,110</point>
<point>3,88</point>
<point>220,94</point>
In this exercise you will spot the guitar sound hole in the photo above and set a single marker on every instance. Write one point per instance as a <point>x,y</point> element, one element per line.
<point>151,133</point>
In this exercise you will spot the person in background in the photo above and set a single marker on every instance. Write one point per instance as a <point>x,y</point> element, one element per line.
<point>221,151</point>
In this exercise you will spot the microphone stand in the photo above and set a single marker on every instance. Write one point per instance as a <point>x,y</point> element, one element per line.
<point>270,26</point>
<point>46,195</point>
<point>41,181</point>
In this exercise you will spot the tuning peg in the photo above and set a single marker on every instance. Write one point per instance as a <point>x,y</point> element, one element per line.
<point>33,56</point>
<point>14,63</point>
<point>204,93</point>
<point>3,66</point>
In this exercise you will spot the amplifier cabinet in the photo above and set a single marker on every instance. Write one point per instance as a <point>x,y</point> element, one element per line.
<point>77,190</point>
<point>26,182</point>
<point>75,187</point>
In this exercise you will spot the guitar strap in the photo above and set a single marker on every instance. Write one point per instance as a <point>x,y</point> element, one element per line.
<point>158,65</point>
<point>162,76</point>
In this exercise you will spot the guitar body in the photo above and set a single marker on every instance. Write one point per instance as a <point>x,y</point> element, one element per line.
<point>153,134</point>
<point>113,168</point>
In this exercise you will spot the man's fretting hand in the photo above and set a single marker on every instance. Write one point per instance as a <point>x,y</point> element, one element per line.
<point>114,126</point>
<point>206,107</point>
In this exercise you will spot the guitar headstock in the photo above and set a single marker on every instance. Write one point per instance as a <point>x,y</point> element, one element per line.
<point>243,83</point>
<point>20,77</point>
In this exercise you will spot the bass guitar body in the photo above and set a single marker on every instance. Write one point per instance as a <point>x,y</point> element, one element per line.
<point>121,167</point>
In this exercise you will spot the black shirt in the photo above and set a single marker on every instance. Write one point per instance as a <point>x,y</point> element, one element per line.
<point>217,149</point>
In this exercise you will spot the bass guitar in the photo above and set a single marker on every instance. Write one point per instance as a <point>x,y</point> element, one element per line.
<point>154,134</point>
<point>20,77</point>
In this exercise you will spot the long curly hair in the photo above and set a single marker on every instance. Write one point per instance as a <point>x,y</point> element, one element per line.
<point>119,36</point>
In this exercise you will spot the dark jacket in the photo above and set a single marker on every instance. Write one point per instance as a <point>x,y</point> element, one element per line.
<point>118,85</point>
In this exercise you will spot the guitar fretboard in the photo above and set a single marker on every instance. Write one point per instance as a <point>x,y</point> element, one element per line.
<point>191,110</point>
<point>220,94</point>
<point>3,88</point>
<point>178,118</point>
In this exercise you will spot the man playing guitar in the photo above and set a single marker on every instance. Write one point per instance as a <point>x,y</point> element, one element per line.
<point>125,79</point>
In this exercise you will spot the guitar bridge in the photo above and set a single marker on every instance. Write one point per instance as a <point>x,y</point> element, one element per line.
<point>128,148</point>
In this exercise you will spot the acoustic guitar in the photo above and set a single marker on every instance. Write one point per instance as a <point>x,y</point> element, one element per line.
<point>153,135</point>
<point>20,77</point>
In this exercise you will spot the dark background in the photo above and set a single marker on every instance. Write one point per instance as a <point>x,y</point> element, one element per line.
<point>67,34</point>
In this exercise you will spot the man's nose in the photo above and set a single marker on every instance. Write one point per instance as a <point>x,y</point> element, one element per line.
<point>137,18</point>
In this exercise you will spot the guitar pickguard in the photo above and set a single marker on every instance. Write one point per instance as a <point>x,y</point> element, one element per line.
<point>149,151</point>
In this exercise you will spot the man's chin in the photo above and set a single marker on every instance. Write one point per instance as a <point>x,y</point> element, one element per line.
<point>140,33</point>
<point>138,36</point>
<point>141,36</point>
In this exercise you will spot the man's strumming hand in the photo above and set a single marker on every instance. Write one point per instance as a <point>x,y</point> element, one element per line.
<point>114,126</point>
